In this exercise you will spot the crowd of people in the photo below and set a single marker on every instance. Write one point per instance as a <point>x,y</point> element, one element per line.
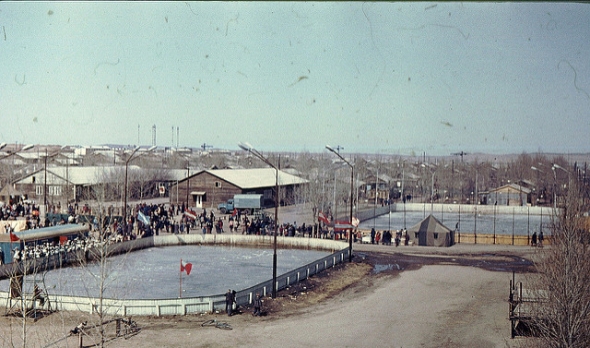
<point>12,211</point>
<point>153,219</point>
<point>387,237</point>
<point>35,251</point>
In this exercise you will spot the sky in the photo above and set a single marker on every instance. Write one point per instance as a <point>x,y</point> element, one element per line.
<point>376,77</point>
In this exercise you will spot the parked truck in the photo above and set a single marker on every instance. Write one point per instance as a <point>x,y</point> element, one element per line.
<point>244,203</point>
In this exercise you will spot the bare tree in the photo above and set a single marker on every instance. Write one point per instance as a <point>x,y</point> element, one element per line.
<point>562,319</point>
<point>97,262</point>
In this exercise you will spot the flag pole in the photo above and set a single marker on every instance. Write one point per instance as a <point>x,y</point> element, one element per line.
<point>180,277</point>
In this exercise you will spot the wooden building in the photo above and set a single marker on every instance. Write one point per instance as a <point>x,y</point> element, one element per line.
<point>208,188</point>
<point>511,194</point>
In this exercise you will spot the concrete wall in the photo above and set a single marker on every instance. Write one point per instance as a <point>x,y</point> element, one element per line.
<point>501,239</point>
<point>202,304</point>
<point>470,209</point>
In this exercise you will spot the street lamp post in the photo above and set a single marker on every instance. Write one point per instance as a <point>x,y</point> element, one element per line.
<point>553,168</point>
<point>431,185</point>
<point>432,193</point>
<point>125,186</point>
<point>537,183</point>
<point>252,150</point>
<point>45,176</point>
<point>404,195</point>
<point>351,198</point>
<point>188,180</point>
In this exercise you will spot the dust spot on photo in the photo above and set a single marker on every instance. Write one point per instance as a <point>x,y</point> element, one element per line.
<point>228,22</point>
<point>105,63</point>
<point>301,78</point>
<point>579,89</point>
<point>20,83</point>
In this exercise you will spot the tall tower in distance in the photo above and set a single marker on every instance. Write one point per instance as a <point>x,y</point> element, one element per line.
<point>175,131</point>
<point>154,135</point>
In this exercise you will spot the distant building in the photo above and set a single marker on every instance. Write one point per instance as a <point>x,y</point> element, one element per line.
<point>510,194</point>
<point>208,188</point>
<point>63,184</point>
<point>377,187</point>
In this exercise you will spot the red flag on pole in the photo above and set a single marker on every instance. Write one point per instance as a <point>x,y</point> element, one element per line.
<point>323,218</point>
<point>13,237</point>
<point>186,266</point>
<point>191,214</point>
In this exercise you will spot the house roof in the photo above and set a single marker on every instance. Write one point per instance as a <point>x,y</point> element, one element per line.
<point>514,188</point>
<point>180,174</point>
<point>91,175</point>
<point>47,232</point>
<point>27,155</point>
<point>429,224</point>
<point>382,178</point>
<point>79,175</point>
<point>254,178</point>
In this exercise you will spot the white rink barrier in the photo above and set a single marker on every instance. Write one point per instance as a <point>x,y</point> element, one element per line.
<point>212,303</point>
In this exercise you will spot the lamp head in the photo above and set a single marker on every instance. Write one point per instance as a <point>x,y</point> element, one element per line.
<point>245,146</point>
<point>557,166</point>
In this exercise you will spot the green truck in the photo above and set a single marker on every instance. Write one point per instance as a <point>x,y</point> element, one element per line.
<point>245,203</point>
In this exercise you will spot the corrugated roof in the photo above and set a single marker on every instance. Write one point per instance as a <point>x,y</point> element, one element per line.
<point>82,175</point>
<point>50,232</point>
<point>243,178</point>
<point>257,177</point>
<point>179,174</point>
<point>27,155</point>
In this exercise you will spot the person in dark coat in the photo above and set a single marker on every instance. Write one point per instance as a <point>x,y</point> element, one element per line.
<point>229,302</point>
<point>534,239</point>
<point>257,305</point>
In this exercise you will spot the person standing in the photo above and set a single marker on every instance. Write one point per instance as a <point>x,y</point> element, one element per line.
<point>257,305</point>
<point>229,302</point>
